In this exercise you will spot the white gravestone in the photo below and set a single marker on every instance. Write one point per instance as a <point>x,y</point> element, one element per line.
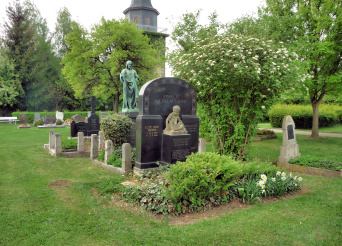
<point>59,115</point>
<point>289,149</point>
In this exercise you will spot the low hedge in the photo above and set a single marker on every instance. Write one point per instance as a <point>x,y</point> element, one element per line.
<point>67,115</point>
<point>329,115</point>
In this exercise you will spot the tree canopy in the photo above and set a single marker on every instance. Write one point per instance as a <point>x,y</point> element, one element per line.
<point>96,58</point>
<point>314,30</point>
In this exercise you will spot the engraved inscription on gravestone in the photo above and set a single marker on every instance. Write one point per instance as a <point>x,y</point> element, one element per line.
<point>290,132</point>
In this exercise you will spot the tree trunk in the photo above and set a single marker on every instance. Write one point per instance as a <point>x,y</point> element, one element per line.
<point>315,119</point>
<point>116,103</point>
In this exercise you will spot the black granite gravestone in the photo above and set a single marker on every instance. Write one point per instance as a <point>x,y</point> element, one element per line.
<point>93,119</point>
<point>131,135</point>
<point>156,100</point>
<point>175,148</point>
<point>290,132</point>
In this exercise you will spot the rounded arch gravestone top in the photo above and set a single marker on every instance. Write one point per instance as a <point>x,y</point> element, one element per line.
<point>158,97</point>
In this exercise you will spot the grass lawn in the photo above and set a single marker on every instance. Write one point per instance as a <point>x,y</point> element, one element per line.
<point>337,128</point>
<point>49,201</point>
<point>322,147</point>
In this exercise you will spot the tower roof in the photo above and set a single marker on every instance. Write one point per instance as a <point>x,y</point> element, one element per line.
<point>141,5</point>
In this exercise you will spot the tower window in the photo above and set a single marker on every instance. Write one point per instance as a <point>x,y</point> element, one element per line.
<point>136,20</point>
<point>148,21</point>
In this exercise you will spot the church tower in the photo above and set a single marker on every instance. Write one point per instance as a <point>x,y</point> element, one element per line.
<point>142,13</point>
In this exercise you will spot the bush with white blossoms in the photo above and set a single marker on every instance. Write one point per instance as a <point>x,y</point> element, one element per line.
<point>278,185</point>
<point>236,78</point>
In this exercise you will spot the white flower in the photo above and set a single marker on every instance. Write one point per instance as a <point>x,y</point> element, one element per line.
<point>300,179</point>
<point>264,177</point>
<point>235,65</point>
<point>278,173</point>
<point>290,174</point>
<point>283,174</point>
<point>273,179</point>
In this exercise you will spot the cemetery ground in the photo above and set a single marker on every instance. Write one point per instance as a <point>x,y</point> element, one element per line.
<point>51,201</point>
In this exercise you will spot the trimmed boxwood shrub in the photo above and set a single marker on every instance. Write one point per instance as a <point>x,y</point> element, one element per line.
<point>329,115</point>
<point>115,127</point>
<point>67,115</point>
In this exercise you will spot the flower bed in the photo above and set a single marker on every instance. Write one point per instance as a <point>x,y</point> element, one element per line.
<point>204,180</point>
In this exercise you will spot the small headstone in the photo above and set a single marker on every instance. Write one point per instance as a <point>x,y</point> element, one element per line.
<point>37,116</point>
<point>289,149</point>
<point>82,127</point>
<point>50,120</point>
<point>59,115</point>
<point>78,118</point>
<point>23,119</point>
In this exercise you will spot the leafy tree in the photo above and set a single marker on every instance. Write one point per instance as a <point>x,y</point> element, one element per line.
<point>10,86</point>
<point>62,29</point>
<point>236,78</point>
<point>45,69</point>
<point>95,59</point>
<point>19,40</point>
<point>312,28</point>
<point>63,92</point>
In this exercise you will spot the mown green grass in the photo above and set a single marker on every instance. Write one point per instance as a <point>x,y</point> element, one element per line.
<point>337,128</point>
<point>34,212</point>
<point>328,148</point>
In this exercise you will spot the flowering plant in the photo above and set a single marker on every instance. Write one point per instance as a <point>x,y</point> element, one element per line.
<point>236,78</point>
<point>280,184</point>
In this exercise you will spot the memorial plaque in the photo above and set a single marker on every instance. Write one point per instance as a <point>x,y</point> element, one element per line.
<point>50,120</point>
<point>175,148</point>
<point>290,132</point>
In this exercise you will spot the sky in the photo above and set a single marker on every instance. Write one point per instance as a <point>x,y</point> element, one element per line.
<point>88,13</point>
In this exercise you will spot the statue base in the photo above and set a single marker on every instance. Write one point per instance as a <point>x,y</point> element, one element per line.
<point>173,133</point>
<point>175,148</point>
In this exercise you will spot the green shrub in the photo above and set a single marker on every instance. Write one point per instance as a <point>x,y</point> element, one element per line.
<point>256,168</point>
<point>114,161</point>
<point>312,161</point>
<point>38,123</point>
<point>201,179</point>
<point>115,127</point>
<point>68,143</point>
<point>329,115</point>
<point>101,155</point>
<point>59,122</point>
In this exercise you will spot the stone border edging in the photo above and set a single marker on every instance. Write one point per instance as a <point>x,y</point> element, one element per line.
<point>109,167</point>
<point>310,170</point>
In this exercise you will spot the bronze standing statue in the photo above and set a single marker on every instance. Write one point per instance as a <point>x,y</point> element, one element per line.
<point>130,80</point>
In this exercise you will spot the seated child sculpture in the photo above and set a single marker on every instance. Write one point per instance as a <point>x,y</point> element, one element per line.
<point>174,125</point>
